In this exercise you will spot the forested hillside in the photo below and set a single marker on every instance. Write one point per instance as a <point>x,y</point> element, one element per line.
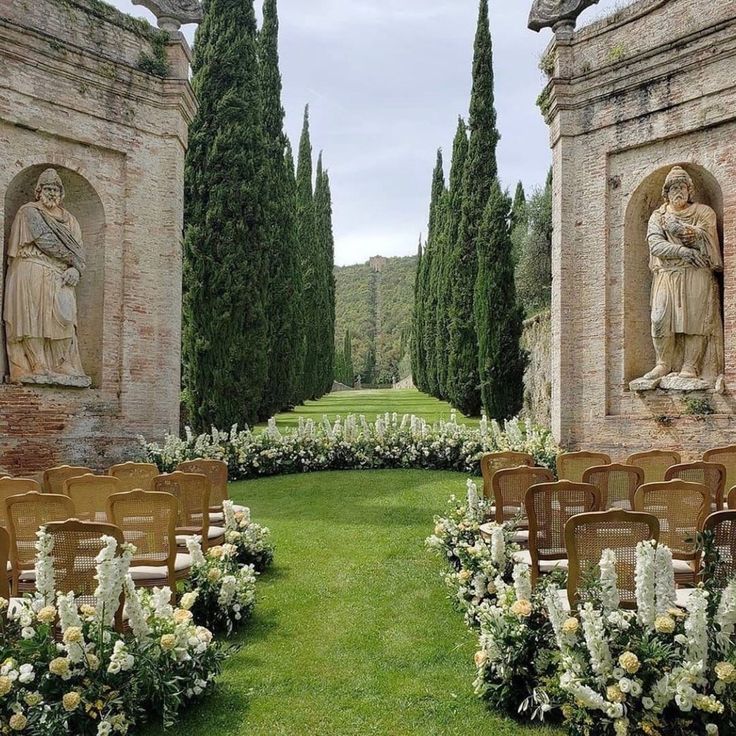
<point>374,301</point>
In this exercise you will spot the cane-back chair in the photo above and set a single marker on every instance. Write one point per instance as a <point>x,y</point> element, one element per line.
<point>76,546</point>
<point>548,507</point>
<point>26,514</point>
<point>216,471</point>
<point>732,499</point>
<point>720,561</point>
<point>726,456</point>
<point>148,521</point>
<point>617,484</point>
<point>588,535</point>
<point>509,491</point>
<point>709,474</point>
<point>572,465</point>
<point>89,494</point>
<point>681,509</point>
<point>654,463</point>
<point>192,491</point>
<point>134,475</point>
<point>14,487</point>
<point>490,462</point>
<point>4,563</point>
<point>53,478</point>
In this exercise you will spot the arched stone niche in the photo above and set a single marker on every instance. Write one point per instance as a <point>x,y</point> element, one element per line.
<point>647,197</point>
<point>84,203</point>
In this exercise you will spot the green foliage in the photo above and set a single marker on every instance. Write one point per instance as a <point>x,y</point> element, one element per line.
<point>417,335</point>
<point>156,63</point>
<point>498,318</point>
<point>225,330</point>
<point>698,408</point>
<point>344,368</point>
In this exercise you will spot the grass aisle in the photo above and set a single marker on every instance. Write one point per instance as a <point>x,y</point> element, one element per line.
<point>353,633</point>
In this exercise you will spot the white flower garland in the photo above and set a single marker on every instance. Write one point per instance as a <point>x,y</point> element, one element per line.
<point>44,567</point>
<point>610,597</point>
<point>646,596</point>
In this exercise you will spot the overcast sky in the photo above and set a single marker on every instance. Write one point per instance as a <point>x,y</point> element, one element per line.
<point>385,81</point>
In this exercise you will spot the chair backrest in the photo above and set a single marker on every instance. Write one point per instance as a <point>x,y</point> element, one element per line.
<point>490,462</point>
<point>572,465</point>
<point>4,559</point>
<point>726,456</point>
<point>588,535</point>
<point>192,491</point>
<point>147,520</point>
<point>89,494</point>
<point>76,545</point>
<point>549,506</point>
<point>216,471</point>
<point>681,508</point>
<point>709,474</point>
<point>654,463</point>
<point>14,487</point>
<point>134,475</point>
<point>617,484</point>
<point>510,486</point>
<point>26,514</point>
<point>732,498</point>
<point>53,478</point>
<point>720,564</point>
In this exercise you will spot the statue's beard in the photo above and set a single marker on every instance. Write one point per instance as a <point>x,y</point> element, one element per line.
<point>50,201</point>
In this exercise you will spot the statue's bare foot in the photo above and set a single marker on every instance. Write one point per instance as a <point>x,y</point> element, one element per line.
<point>659,371</point>
<point>688,372</point>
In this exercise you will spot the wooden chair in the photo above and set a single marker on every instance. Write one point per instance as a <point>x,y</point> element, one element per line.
<point>721,565</point>
<point>89,494</point>
<point>26,514</point>
<point>216,471</point>
<point>14,487</point>
<point>587,535</point>
<point>192,491</point>
<point>4,563</point>
<point>509,491</point>
<point>53,478</point>
<point>617,484</point>
<point>134,475</point>
<point>76,546</point>
<point>654,463</point>
<point>572,465</point>
<point>490,462</point>
<point>548,507</point>
<point>681,509</point>
<point>709,474</point>
<point>148,520</point>
<point>726,456</point>
<point>732,499</point>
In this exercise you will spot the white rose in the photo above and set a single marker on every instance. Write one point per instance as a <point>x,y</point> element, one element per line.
<point>648,703</point>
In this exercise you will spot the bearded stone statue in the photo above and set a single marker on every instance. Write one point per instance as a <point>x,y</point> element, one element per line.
<point>556,14</point>
<point>45,261</point>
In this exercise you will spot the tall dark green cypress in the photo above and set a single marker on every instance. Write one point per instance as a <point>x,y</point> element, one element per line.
<point>308,387</point>
<point>347,351</point>
<point>324,263</point>
<point>518,208</point>
<point>434,255</point>
<point>417,329</point>
<point>480,172</point>
<point>225,327</point>
<point>452,209</point>
<point>284,278</point>
<point>499,319</point>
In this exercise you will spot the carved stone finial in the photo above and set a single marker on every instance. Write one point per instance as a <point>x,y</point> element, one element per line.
<point>170,14</point>
<point>560,15</point>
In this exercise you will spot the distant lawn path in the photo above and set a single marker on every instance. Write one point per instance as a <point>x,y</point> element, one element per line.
<point>372,402</point>
<point>353,633</point>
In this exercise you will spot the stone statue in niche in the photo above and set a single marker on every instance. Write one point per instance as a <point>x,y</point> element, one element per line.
<point>685,255</point>
<point>45,261</point>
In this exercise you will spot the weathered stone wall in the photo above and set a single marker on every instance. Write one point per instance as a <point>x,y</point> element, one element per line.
<point>536,340</point>
<point>76,94</point>
<point>631,96</point>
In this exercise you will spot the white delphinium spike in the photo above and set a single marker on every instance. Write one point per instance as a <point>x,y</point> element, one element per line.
<point>726,613</point>
<point>109,584</point>
<point>664,580</point>
<point>229,515</point>
<point>498,547</point>
<point>696,628</point>
<point>610,597</point>
<point>66,606</point>
<point>137,619</point>
<point>594,630</point>
<point>44,567</point>
<point>557,615</point>
<point>522,581</point>
<point>645,583</point>
<point>473,499</point>
<point>194,547</point>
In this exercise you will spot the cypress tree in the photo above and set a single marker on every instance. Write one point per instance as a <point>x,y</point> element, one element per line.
<point>433,256</point>
<point>324,264</point>
<point>307,252</point>
<point>479,175</point>
<point>498,317</point>
<point>518,208</point>
<point>347,351</point>
<point>452,204</point>
<point>225,328</point>
<point>416,332</point>
<point>280,229</point>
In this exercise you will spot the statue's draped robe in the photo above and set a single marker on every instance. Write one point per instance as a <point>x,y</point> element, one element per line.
<point>685,297</point>
<point>37,303</point>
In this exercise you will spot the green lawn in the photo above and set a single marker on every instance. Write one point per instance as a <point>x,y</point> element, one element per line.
<point>371,403</point>
<point>353,633</point>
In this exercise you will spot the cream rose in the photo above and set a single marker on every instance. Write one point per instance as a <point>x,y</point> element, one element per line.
<point>17,722</point>
<point>630,662</point>
<point>71,701</point>
<point>522,608</point>
<point>570,626</point>
<point>59,666</point>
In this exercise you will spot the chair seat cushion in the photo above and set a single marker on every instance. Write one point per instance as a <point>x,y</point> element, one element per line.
<point>545,566</point>
<point>156,572</point>
<point>214,532</point>
<point>683,567</point>
<point>521,536</point>
<point>216,517</point>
